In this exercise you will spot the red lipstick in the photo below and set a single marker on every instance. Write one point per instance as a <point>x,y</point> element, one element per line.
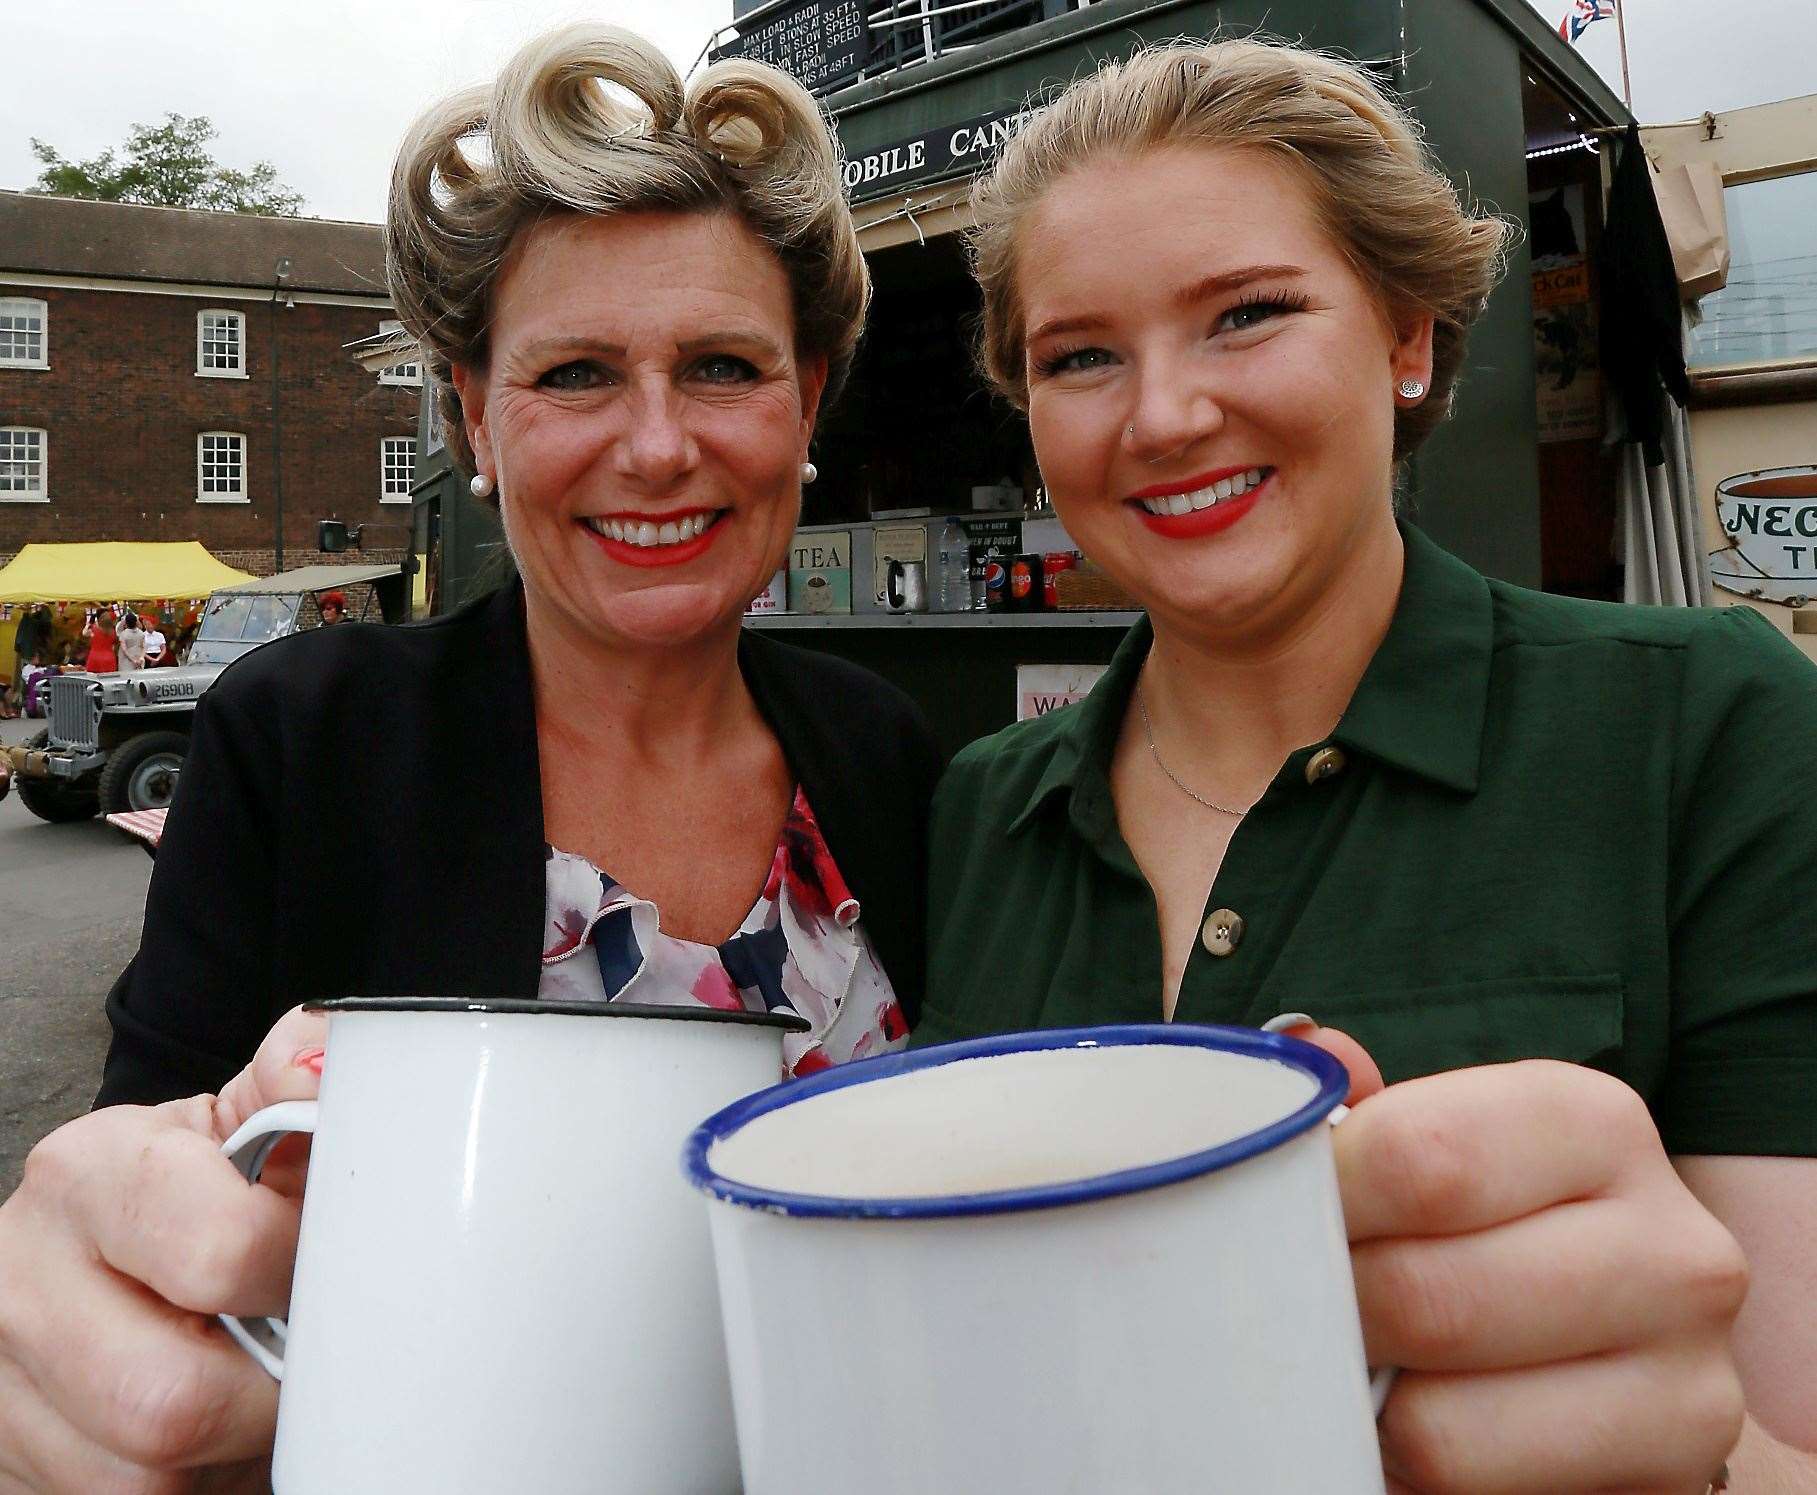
<point>656,555</point>
<point>1200,522</point>
<point>1192,485</point>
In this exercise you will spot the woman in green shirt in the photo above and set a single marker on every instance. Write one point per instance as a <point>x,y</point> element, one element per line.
<point>1337,770</point>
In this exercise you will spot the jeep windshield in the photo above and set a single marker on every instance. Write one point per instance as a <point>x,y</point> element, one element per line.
<point>234,624</point>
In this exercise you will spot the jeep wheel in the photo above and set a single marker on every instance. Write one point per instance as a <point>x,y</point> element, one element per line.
<point>141,774</point>
<point>50,799</point>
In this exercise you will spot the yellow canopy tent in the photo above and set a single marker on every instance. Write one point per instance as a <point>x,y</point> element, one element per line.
<point>114,571</point>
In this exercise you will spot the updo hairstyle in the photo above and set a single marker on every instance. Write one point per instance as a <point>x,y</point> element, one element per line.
<point>1374,184</point>
<point>593,119</point>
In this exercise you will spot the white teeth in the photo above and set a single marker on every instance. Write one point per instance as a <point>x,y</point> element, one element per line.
<point>632,532</point>
<point>1203,498</point>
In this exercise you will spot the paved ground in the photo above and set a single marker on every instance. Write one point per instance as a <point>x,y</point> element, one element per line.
<point>71,898</point>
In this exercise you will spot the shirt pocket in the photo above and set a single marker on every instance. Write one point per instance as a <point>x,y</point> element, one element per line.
<point>1424,1030</point>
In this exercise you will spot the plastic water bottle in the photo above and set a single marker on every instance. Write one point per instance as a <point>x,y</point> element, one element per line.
<point>953,591</point>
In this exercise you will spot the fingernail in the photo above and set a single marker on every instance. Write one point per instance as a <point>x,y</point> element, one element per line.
<point>310,1058</point>
<point>1288,1022</point>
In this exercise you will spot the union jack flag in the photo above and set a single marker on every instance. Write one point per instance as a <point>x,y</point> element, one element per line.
<point>1583,14</point>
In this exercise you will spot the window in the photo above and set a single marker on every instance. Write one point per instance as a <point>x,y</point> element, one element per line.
<point>399,373</point>
<point>221,344</point>
<point>1767,313</point>
<point>221,468</point>
<point>397,466</point>
<point>22,466</point>
<point>22,334</point>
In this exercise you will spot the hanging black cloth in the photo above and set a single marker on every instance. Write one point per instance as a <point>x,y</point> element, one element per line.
<point>1642,320</point>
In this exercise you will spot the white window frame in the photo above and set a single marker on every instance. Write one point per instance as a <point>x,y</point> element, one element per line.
<point>400,373</point>
<point>388,494</point>
<point>238,318</point>
<point>242,496</point>
<point>28,306</point>
<point>41,493</point>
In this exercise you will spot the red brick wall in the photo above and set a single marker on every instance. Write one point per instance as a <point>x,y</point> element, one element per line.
<point>122,407</point>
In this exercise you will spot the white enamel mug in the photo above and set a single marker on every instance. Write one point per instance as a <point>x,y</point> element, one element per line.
<point>1082,1260</point>
<point>501,1283</point>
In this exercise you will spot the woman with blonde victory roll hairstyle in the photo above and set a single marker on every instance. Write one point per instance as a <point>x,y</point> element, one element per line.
<point>593,785</point>
<point>1542,864</point>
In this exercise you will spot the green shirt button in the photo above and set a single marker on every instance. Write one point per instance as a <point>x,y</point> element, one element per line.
<point>1326,763</point>
<point>1223,932</point>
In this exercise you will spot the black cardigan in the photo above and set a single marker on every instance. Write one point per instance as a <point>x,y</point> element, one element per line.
<point>360,814</point>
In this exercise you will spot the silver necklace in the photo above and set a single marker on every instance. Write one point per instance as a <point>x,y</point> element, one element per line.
<point>1155,753</point>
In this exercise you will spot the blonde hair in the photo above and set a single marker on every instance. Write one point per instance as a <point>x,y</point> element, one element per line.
<point>1373,181</point>
<point>592,119</point>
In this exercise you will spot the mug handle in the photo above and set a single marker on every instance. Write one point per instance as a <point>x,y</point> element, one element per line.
<point>248,1149</point>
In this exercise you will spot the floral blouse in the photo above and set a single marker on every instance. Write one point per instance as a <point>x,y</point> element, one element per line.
<point>800,949</point>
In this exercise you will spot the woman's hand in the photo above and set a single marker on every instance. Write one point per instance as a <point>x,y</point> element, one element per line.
<point>128,1233</point>
<point>1560,1303</point>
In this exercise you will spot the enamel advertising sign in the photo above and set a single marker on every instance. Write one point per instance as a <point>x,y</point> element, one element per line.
<point>1770,520</point>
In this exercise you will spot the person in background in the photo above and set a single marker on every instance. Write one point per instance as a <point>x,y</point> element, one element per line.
<point>632,300</point>
<point>157,649</point>
<point>188,627</point>
<point>1547,860</point>
<point>31,637</point>
<point>334,607</point>
<point>131,640</point>
<point>103,657</point>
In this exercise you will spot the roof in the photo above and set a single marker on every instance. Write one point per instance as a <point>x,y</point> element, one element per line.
<point>313,579</point>
<point>114,571</point>
<point>123,241</point>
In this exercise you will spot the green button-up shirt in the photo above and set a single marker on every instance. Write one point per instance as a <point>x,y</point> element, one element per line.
<point>1549,828</point>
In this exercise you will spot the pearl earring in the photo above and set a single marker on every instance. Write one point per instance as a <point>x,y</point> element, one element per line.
<point>481,485</point>
<point>1411,389</point>
<point>809,472</point>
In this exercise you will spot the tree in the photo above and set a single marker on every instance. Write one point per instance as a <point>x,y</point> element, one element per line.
<point>168,165</point>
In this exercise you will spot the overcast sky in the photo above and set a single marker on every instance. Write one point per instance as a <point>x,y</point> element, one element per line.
<point>324,89</point>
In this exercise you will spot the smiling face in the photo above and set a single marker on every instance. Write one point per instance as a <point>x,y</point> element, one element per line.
<point>645,415</point>
<point>1211,386</point>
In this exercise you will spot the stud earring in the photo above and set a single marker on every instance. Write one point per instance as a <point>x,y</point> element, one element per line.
<point>481,485</point>
<point>1411,389</point>
<point>809,472</point>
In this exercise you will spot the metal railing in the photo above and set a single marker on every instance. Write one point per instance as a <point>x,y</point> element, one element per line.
<point>75,713</point>
<point>906,32</point>
<point>903,33</point>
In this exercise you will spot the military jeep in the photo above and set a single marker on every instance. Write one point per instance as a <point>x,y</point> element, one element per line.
<point>117,742</point>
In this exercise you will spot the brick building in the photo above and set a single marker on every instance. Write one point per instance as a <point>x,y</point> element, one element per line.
<point>177,375</point>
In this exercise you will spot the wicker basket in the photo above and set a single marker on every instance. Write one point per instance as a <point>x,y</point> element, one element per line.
<point>1085,588</point>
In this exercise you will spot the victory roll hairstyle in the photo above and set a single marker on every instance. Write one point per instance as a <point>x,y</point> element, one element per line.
<point>1373,182</point>
<point>592,119</point>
